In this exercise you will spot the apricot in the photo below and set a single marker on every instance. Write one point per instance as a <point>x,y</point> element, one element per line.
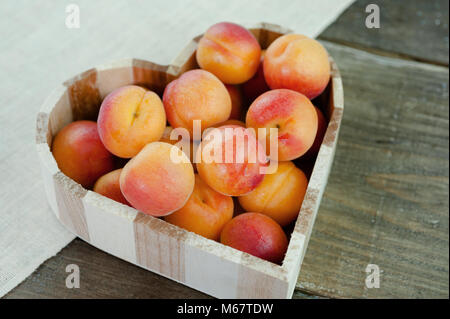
<point>237,102</point>
<point>80,154</point>
<point>257,235</point>
<point>299,63</point>
<point>108,185</point>
<point>230,52</point>
<point>280,195</point>
<point>292,114</point>
<point>129,118</point>
<point>321,130</point>
<point>231,160</point>
<point>257,84</point>
<point>156,184</point>
<point>205,213</point>
<point>196,95</point>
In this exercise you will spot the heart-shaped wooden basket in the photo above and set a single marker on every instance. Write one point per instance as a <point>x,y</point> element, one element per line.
<point>149,242</point>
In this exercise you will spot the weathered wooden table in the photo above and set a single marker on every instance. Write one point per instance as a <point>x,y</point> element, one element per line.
<point>386,202</point>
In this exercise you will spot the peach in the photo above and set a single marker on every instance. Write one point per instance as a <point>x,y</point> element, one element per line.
<point>257,84</point>
<point>299,63</point>
<point>257,235</point>
<point>205,213</point>
<point>80,154</point>
<point>129,118</point>
<point>237,102</point>
<point>292,113</point>
<point>108,185</point>
<point>231,160</point>
<point>196,95</point>
<point>230,52</point>
<point>154,182</point>
<point>321,130</point>
<point>280,195</point>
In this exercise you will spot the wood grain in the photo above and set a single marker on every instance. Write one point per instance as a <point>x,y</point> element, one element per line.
<point>414,29</point>
<point>386,201</point>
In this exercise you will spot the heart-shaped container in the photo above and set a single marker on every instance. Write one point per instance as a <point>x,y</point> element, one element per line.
<point>149,242</point>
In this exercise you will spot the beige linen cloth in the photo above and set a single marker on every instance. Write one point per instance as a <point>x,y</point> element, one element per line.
<point>38,51</point>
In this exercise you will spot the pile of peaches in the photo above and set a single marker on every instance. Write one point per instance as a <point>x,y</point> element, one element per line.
<point>127,155</point>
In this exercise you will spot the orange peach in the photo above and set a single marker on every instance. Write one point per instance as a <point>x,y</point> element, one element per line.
<point>205,213</point>
<point>232,160</point>
<point>280,195</point>
<point>154,182</point>
<point>237,102</point>
<point>321,130</point>
<point>80,154</point>
<point>129,118</point>
<point>257,235</point>
<point>257,84</point>
<point>229,51</point>
<point>292,114</point>
<point>299,63</point>
<point>108,185</point>
<point>196,95</point>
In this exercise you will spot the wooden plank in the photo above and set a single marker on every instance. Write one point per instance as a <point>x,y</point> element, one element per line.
<point>386,202</point>
<point>416,29</point>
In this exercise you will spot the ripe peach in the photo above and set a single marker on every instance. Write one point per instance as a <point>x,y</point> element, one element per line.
<point>232,160</point>
<point>257,84</point>
<point>294,116</point>
<point>321,130</point>
<point>237,102</point>
<point>196,95</point>
<point>205,213</point>
<point>280,195</point>
<point>80,154</point>
<point>108,185</point>
<point>129,118</point>
<point>257,235</point>
<point>154,183</point>
<point>299,63</point>
<point>229,51</point>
